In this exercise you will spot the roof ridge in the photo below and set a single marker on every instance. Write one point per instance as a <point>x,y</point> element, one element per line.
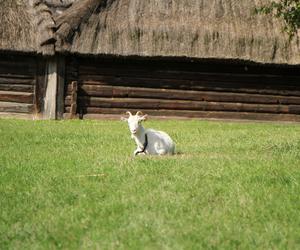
<point>69,21</point>
<point>45,28</point>
<point>57,28</point>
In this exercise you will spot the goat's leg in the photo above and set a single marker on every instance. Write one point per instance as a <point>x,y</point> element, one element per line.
<point>138,151</point>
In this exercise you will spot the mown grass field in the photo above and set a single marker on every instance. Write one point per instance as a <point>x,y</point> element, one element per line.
<point>75,185</point>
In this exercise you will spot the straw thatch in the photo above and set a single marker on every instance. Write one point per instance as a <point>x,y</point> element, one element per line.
<point>68,23</point>
<point>191,28</point>
<point>28,25</point>
<point>17,31</point>
<point>221,29</point>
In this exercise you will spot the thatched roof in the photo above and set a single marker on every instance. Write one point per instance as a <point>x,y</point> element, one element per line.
<point>220,29</point>
<point>17,31</point>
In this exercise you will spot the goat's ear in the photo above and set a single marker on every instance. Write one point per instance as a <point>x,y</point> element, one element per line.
<point>143,118</point>
<point>124,119</point>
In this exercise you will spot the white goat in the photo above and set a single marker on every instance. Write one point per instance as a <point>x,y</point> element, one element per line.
<point>148,141</point>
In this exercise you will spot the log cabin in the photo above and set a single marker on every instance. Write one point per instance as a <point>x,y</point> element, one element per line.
<point>183,58</point>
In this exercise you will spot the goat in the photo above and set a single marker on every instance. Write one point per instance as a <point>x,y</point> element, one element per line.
<point>148,141</point>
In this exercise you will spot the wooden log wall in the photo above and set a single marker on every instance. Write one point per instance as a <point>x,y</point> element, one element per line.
<point>190,89</point>
<point>17,85</point>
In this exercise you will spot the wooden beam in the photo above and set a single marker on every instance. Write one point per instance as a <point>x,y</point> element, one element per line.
<point>172,94</point>
<point>11,79</point>
<point>141,71</point>
<point>16,107</point>
<point>17,76</point>
<point>21,67</point>
<point>95,113</point>
<point>197,84</point>
<point>54,92</point>
<point>16,87</point>
<point>51,90</point>
<point>10,114</point>
<point>132,103</point>
<point>11,96</point>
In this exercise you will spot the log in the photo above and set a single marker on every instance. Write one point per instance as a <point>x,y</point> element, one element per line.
<point>21,69</point>
<point>18,60</point>
<point>21,97</point>
<point>133,92</point>
<point>186,75</point>
<point>199,85</point>
<point>16,107</point>
<point>95,113</point>
<point>71,77</point>
<point>71,70</point>
<point>189,65</point>
<point>16,115</point>
<point>16,76</point>
<point>16,87</point>
<point>132,103</point>
<point>16,80</point>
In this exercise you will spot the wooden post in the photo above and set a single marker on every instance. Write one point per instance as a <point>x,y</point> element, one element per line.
<point>51,90</point>
<point>54,92</point>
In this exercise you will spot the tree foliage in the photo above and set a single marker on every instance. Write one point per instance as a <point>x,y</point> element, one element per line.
<point>287,10</point>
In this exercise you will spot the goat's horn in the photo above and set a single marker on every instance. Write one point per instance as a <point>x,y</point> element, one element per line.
<point>128,113</point>
<point>139,113</point>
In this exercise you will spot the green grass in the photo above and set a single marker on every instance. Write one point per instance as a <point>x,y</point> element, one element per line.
<point>75,185</point>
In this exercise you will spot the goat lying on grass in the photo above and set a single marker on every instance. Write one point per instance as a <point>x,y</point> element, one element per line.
<point>148,141</point>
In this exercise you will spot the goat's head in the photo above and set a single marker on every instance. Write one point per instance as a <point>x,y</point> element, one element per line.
<point>134,121</point>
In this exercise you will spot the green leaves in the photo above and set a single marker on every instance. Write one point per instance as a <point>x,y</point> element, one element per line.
<point>286,10</point>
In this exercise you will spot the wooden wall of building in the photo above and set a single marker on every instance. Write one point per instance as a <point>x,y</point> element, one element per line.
<point>190,89</point>
<point>158,87</point>
<point>18,75</point>
<point>112,86</point>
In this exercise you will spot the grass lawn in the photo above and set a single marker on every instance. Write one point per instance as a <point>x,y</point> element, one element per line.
<point>75,185</point>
